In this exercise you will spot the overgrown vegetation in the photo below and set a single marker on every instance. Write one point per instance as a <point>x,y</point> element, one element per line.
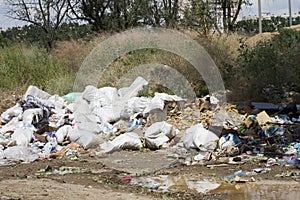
<point>269,69</point>
<point>263,72</point>
<point>21,66</point>
<point>48,53</point>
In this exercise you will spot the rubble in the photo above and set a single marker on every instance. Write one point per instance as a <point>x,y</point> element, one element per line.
<point>108,119</point>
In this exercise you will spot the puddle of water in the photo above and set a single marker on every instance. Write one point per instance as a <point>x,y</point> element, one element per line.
<point>262,190</point>
<point>247,191</point>
<point>166,183</point>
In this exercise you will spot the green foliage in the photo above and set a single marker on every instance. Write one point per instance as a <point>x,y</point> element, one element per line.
<point>32,34</point>
<point>268,25</point>
<point>21,66</point>
<point>198,16</point>
<point>273,63</point>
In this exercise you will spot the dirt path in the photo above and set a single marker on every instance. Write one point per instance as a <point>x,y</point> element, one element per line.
<point>90,178</point>
<point>49,189</point>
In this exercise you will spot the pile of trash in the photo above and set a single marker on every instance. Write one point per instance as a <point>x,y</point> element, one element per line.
<point>108,119</point>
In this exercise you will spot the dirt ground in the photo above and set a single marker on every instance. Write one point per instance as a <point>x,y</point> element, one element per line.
<point>109,176</point>
<point>90,178</point>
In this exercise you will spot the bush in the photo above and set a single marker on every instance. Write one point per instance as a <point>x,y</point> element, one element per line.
<point>272,63</point>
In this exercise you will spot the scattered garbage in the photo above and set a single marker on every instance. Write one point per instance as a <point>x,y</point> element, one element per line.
<point>112,119</point>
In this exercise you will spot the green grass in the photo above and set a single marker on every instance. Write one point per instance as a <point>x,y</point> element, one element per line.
<point>21,66</point>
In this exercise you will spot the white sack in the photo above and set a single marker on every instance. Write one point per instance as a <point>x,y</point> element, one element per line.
<point>158,134</point>
<point>22,136</point>
<point>197,137</point>
<point>128,140</point>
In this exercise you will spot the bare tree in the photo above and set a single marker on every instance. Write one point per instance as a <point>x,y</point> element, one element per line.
<point>46,14</point>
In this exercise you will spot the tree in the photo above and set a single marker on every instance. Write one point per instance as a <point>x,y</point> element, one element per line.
<point>122,14</point>
<point>230,11</point>
<point>95,12</point>
<point>46,14</point>
<point>198,16</point>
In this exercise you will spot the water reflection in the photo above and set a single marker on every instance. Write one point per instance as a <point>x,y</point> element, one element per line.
<point>260,190</point>
<point>166,183</point>
<point>248,191</point>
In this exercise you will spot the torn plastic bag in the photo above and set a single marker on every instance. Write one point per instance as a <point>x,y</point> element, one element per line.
<point>229,140</point>
<point>49,148</point>
<point>11,125</point>
<point>158,101</point>
<point>36,92</point>
<point>100,97</point>
<point>20,153</point>
<point>22,136</point>
<point>158,134</point>
<point>31,116</point>
<point>107,128</point>
<point>134,105</point>
<point>85,138</point>
<point>132,91</point>
<point>62,133</point>
<point>197,137</point>
<point>29,102</point>
<point>11,112</point>
<point>226,117</point>
<point>57,102</point>
<point>128,140</point>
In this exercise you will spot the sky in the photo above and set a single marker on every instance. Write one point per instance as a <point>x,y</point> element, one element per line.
<point>277,7</point>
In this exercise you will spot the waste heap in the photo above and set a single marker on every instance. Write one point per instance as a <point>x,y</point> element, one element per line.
<point>108,119</point>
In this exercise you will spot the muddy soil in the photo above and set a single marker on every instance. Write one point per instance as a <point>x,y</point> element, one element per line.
<point>108,176</point>
<point>90,178</point>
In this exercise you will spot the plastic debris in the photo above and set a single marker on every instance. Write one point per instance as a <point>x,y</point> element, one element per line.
<point>197,137</point>
<point>125,141</point>
<point>159,134</point>
<point>229,140</point>
<point>20,153</point>
<point>109,119</point>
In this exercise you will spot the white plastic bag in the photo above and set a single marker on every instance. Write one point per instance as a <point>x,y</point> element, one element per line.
<point>132,91</point>
<point>31,115</point>
<point>128,140</point>
<point>21,153</point>
<point>11,112</point>
<point>85,138</point>
<point>158,134</point>
<point>22,136</point>
<point>62,133</point>
<point>158,101</point>
<point>36,92</point>
<point>134,105</point>
<point>197,137</point>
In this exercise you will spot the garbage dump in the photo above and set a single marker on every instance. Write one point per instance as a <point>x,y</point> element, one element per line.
<point>109,119</point>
